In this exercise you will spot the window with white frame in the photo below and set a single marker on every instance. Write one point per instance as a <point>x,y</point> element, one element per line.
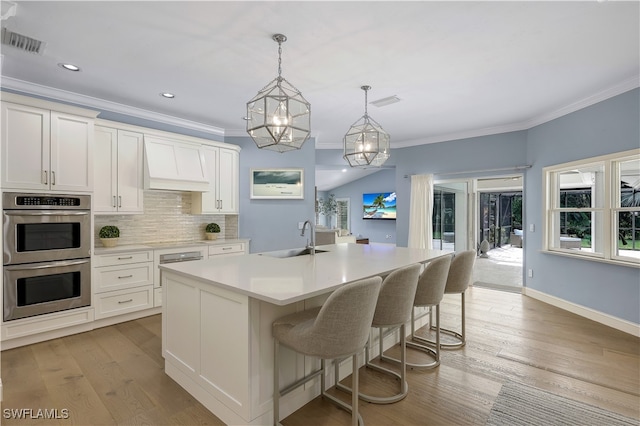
<point>592,208</point>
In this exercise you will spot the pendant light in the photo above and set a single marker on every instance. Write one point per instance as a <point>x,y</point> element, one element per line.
<point>279,117</point>
<point>366,143</point>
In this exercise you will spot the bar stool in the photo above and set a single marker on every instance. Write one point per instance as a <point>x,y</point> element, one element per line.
<point>457,283</point>
<point>393,310</point>
<point>429,293</point>
<point>338,329</point>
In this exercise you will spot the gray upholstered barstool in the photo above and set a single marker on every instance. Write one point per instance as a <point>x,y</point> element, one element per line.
<point>429,293</point>
<point>393,310</point>
<point>460,273</point>
<point>338,329</point>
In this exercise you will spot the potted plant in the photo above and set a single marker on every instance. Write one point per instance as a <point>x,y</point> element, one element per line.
<point>212,231</point>
<point>109,235</point>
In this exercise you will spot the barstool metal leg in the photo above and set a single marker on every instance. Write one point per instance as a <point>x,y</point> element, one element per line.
<point>413,344</point>
<point>459,336</point>
<point>404,386</point>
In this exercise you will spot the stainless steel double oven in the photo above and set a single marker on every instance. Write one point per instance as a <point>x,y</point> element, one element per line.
<point>46,253</point>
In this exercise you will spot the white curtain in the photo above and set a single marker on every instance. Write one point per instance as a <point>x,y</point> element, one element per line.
<point>421,205</point>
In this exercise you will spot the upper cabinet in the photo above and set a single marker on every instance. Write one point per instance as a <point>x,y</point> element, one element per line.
<point>118,171</point>
<point>45,149</point>
<point>223,194</point>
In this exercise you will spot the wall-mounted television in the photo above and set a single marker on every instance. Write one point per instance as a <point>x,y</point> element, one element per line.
<point>379,205</point>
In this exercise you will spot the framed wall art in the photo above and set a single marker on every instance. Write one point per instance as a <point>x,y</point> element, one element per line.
<point>277,184</point>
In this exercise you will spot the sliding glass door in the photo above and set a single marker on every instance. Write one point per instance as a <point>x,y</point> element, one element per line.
<point>500,214</point>
<point>450,216</point>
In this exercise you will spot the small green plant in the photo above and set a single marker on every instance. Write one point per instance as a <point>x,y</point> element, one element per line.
<point>212,228</point>
<point>109,231</point>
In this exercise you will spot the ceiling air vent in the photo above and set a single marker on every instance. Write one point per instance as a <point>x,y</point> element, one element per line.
<point>24,43</point>
<point>385,101</point>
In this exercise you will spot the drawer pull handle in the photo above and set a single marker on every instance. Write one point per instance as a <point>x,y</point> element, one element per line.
<point>125,301</point>
<point>125,258</point>
<point>227,248</point>
<point>125,276</point>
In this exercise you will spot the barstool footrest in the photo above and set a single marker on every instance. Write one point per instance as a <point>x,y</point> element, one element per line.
<point>379,399</point>
<point>460,343</point>
<point>341,404</point>
<point>415,366</point>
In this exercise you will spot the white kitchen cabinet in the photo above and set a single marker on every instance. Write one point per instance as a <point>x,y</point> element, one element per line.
<point>118,171</point>
<point>223,195</point>
<point>43,149</point>
<point>122,283</point>
<point>232,249</point>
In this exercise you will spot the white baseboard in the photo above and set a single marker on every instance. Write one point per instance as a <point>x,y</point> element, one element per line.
<point>592,314</point>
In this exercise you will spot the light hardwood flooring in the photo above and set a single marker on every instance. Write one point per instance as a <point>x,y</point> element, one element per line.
<point>114,375</point>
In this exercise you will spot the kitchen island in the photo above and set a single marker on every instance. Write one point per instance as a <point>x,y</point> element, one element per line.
<point>217,316</point>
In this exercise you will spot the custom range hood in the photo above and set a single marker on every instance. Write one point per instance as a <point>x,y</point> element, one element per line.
<point>174,165</point>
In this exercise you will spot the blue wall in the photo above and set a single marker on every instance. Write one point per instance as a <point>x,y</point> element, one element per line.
<point>473,154</point>
<point>375,230</point>
<point>607,127</point>
<point>273,224</point>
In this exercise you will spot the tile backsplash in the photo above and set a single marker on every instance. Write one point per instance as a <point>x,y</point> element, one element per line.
<point>167,218</point>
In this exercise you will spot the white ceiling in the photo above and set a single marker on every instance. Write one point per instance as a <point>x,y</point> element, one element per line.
<point>461,69</point>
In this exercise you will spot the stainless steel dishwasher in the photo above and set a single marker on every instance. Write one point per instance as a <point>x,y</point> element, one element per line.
<point>166,255</point>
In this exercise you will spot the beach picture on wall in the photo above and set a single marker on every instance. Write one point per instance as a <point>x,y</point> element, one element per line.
<point>277,183</point>
<point>379,205</point>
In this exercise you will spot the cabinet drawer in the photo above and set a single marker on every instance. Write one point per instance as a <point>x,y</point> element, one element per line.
<point>123,258</point>
<point>123,301</point>
<point>236,248</point>
<point>109,278</point>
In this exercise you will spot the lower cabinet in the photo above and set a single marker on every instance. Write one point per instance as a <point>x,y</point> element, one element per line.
<point>227,250</point>
<point>122,283</point>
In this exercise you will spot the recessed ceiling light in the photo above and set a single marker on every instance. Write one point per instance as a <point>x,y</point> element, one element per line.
<point>69,67</point>
<point>344,170</point>
<point>167,95</point>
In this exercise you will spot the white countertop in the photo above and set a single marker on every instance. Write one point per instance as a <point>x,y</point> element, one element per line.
<point>287,280</point>
<point>165,245</point>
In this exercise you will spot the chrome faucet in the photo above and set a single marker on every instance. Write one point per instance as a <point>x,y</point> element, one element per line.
<point>312,246</point>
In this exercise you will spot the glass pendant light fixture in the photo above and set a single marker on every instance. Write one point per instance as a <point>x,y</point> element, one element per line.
<point>279,117</point>
<point>366,143</point>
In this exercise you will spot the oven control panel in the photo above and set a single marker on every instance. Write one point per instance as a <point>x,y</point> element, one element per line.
<point>47,201</point>
<point>12,200</point>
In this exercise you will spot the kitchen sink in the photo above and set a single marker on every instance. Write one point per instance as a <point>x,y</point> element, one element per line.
<point>291,253</point>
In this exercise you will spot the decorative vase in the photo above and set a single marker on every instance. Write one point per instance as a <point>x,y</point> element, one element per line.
<point>211,235</point>
<point>109,242</point>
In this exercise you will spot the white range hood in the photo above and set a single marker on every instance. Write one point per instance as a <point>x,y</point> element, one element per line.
<point>174,165</point>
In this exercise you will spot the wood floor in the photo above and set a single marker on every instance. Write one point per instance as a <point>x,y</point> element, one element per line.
<point>114,375</point>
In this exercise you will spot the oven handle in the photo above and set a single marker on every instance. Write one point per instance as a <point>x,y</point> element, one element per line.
<point>56,264</point>
<point>43,213</point>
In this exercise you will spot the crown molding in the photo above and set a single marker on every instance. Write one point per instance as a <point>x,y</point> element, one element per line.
<point>100,104</point>
<point>618,89</point>
<point>103,105</point>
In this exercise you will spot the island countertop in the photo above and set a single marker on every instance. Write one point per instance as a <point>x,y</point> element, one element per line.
<point>282,281</point>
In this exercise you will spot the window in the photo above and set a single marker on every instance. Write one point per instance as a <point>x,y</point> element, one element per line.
<point>343,213</point>
<point>592,208</point>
